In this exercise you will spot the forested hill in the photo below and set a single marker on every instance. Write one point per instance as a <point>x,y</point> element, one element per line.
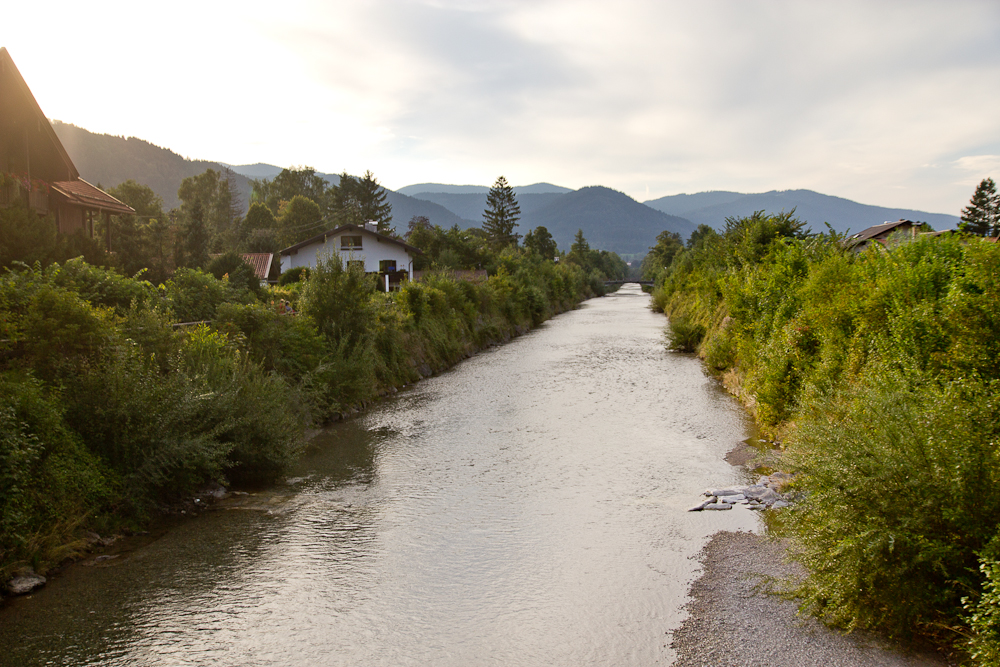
<point>110,160</point>
<point>610,220</point>
<point>712,208</point>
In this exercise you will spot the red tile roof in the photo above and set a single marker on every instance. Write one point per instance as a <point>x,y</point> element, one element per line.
<point>260,261</point>
<point>83,194</point>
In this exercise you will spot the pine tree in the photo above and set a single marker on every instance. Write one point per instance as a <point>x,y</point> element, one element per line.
<point>501,215</point>
<point>372,204</point>
<point>982,215</point>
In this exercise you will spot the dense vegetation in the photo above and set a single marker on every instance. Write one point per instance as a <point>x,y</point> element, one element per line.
<point>878,371</point>
<point>110,411</point>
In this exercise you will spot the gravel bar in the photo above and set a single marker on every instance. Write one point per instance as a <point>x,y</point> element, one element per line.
<point>732,623</point>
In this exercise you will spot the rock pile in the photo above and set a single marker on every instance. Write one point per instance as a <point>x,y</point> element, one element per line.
<point>765,494</point>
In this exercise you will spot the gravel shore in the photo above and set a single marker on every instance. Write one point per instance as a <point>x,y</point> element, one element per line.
<point>732,624</point>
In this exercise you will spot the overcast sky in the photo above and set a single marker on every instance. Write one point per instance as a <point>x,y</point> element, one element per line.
<point>887,103</point>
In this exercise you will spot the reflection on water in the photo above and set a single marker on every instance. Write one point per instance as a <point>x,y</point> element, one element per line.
<point>527,507</point>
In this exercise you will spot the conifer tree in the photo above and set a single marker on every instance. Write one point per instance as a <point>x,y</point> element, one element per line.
<point>372,204</point>
<point>501,215</point>
<point>982,215</point>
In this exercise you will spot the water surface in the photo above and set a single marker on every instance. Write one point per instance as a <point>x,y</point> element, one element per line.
<point>525,508</point>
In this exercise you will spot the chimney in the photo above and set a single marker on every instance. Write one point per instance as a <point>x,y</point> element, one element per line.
<point>371,226</point>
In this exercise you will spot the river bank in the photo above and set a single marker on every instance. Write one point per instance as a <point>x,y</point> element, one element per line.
<point>733,620</point>
<point>87,547</point>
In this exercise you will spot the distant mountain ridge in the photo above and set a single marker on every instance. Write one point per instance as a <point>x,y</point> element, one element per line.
<point>444,188</point>
<point>610,220</point>
<point>712,208</point>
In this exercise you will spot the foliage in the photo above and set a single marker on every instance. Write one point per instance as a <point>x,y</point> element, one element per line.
<point>540,241</point>
<point>662,254</point>
<point>501,215</point>
<point>299,219</point>
<point>982,215</point>
<point>879,370</point>
<point>294,275</point>
<point>193,295</point>
<point>232,268</point>
<point>296,181</point>
<point>28,238</point>
<point>683,335</point>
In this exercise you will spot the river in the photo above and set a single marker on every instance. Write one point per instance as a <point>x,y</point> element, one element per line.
<point>526,507</point>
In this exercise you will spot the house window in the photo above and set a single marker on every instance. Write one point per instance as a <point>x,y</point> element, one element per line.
<point>350,242</point>
<point>387,266</point>
<point>355,263</point>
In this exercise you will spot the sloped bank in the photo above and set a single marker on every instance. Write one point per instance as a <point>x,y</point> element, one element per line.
<point>134,416</point>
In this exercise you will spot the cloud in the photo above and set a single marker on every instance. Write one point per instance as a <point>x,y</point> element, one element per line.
<point>879,102</point>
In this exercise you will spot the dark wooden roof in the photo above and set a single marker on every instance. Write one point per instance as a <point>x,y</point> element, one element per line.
<point>24,130</point>
<point>319,238</point>
<point>83,194</point>
<point>877,230</point>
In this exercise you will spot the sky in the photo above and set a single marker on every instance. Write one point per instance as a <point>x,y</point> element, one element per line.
<point>886,103</point>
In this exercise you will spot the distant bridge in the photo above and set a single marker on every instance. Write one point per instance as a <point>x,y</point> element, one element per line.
<point>622,282</point>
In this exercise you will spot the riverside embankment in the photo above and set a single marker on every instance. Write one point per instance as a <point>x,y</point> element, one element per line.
<point>525,507</point>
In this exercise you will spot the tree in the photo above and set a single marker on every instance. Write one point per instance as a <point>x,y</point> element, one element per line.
<point>668,244</point>
<point>540,241</point>
<point>140,241</point>
<point>982,215</point>
<point>290,182</point>
<point>356,201</point>
<point>372,206</point>
<point>501,215</point>
<point>194,239</point>
<point>300,218</point>
<point>580,245</point>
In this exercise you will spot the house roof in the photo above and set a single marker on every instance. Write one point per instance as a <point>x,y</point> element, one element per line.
<point>83,194</point>
<point>321,237</point>
<point>10,73</point>
<point>878,230</point>
<point>260,261</point>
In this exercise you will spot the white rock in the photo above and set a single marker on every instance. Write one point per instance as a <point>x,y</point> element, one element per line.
<point>25,583</point>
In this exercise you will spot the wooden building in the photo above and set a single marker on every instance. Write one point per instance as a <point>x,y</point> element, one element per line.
<point>35,169</point>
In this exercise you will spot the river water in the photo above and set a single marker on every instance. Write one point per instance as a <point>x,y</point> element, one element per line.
<point>525,508</point>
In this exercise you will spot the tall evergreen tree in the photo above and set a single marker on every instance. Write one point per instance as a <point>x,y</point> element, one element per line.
<point>372,204</point>
<point>982,215</point>
<point>501,215</point>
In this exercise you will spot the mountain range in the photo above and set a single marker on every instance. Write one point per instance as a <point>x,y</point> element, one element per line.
<point>712,208</point>
<point>610,220</point>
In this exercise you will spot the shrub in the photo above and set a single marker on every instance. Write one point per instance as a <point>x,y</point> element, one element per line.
<point>684,335</point>
<point>293,275</point>
<point>903,492</point>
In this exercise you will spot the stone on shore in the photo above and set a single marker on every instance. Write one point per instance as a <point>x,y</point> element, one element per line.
<point>25,582</point>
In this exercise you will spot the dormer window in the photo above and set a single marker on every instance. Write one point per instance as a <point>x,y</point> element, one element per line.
<point>350,242</point>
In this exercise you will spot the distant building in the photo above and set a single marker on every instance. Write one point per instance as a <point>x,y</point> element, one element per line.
<point>390,258</point>
<point>36,170</point>
<point>880,233</point>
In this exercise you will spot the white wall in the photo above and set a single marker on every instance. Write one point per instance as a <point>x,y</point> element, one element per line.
<point>373,250</point>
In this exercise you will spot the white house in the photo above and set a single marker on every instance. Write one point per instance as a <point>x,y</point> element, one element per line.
<point>377,253</point>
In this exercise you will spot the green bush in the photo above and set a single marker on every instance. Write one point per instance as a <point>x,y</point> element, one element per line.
<point>903,492</point>
<point>293,275</point>
<point>684,335</point>
<point>49,483</point>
